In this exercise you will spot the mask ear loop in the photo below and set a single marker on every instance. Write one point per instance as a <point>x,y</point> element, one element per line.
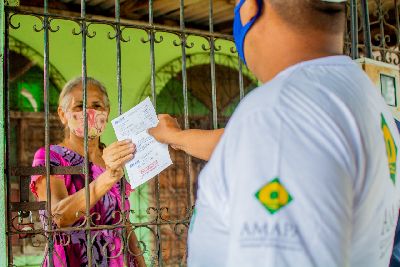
<point>260,4</point>
<point>239,6</point>
<point>246,28</point>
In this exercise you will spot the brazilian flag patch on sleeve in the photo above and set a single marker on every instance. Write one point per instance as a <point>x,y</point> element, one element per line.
<point>273,196</point>
<point>391,149</point>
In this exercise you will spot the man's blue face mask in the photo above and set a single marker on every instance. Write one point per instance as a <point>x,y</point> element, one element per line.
<point>240,30</point>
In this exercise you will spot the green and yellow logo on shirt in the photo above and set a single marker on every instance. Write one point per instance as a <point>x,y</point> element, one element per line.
<point>273,196</point>
<point>391,149</point>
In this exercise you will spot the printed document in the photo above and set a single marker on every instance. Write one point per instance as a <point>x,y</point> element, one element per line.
<point>151,157</point>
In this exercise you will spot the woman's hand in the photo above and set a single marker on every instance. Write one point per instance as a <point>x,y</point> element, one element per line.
<point>116,155</point>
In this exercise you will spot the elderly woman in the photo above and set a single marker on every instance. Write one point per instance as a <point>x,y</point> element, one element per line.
<point>68,191</point>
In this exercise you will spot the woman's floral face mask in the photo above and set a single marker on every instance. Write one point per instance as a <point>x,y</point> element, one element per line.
<point>96,122</point>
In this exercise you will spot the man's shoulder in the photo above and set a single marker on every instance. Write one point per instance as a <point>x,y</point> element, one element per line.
<point>304,82</point>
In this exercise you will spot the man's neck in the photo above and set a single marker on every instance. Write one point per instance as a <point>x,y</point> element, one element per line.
<point>280,47</point>
<point>281,63</point>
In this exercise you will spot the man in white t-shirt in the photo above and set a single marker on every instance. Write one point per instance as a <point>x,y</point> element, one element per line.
<point>306,172</point>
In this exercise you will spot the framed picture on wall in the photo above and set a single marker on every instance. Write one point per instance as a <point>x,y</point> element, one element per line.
<point>388,89</point>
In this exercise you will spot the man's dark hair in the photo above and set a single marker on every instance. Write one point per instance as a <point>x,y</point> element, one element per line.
<point>306,14</point>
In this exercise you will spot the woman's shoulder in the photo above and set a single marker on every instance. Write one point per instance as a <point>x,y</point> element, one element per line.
<point>56,154</point>
<point>54,149</point>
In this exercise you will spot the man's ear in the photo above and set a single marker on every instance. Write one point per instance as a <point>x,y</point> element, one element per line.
<point>62,116</point>
<point>248,11</point>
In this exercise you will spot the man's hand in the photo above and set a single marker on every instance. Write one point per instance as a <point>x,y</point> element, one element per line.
<point>195,142</point>
<point>166,131</point>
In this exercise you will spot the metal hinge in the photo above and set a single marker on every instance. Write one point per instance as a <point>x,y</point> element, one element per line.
<point>11,2</point>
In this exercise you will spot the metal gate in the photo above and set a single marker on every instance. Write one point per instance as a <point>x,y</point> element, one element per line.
<point>372,30</point>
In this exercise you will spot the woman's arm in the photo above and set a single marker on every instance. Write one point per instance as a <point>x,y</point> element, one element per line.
<point>66,207</point>
<point>197,143</point>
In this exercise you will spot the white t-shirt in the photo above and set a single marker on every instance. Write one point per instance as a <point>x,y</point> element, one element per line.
<point>306,174</point>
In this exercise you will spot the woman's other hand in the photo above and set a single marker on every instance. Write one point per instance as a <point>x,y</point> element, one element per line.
<point>116,155</point>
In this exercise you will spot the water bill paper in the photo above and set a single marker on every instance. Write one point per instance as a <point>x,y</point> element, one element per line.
<point>151,157</point>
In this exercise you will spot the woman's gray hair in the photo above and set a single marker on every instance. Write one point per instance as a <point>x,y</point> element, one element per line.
<point>65,96</point>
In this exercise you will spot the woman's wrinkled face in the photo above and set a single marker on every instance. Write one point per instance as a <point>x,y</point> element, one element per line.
<point>97,112</point>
